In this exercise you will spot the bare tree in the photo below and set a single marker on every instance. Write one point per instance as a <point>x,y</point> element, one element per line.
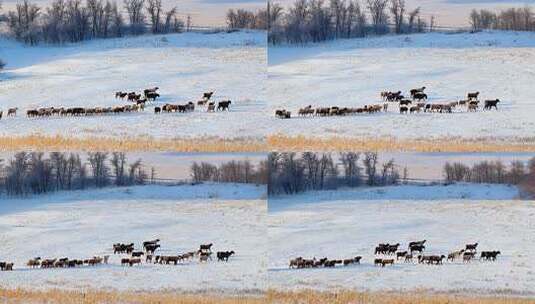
<point>351,168</point>
<point>397,9</point>
<point>413,16</point>
<point>370,166</point>
<point>134,9</point>
<point>377,10</point>
<point>154,9</point>
<point>97,161</point>
<point>23,22</point>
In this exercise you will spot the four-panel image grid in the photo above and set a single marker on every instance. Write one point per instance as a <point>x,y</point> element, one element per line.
<point>279,151</point>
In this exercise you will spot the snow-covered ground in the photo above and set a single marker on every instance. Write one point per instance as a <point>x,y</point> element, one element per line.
<point>346,228</point>
<point>352,73</point>
<point>183,66</point>
<point>81,224</point>
<point>403,192</point>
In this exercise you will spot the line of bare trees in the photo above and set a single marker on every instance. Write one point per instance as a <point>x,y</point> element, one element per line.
<point>292,173</point>
<point>230,172</point>
<point>314,21</point>
<point>36,173</point>
<point>511,19</point>
<point>494,172</point>
<point>245,19</point>
<point>72,21</point>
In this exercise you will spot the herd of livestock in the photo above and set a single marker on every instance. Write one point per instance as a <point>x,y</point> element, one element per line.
<point>415,104</point>
<point>137,103</point>
<point>391,253</point>
<point>147,254</point>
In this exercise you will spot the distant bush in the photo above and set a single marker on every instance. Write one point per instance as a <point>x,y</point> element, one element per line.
<point>230,172</point>
<point>492,172</point>
<point>244,19</point>
<point>513,19</point>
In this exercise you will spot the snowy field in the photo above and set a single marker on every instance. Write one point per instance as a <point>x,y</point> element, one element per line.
<point>80,225</point>
<point>352,73</point>
<point>405,192</point>
<point>183,66</point>
<point>341,229</point>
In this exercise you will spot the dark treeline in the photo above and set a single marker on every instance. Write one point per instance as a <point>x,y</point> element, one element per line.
<point>230,172</point>
<point>494,172</point>
<point>511,19</point>
<point>244,19</point>
<point>74,20</point>
<point>316,20</point>
<point>292,173</point>
<point>37,173</point>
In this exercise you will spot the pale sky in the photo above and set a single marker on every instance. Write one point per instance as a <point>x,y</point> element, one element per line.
<point>203,12</point>
<point>449,12</point>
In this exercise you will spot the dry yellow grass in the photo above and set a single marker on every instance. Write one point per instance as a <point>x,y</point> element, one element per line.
<point>93,297</point>
<point>271,297</point>
<point>273,143</point>
<point>350,297</point>
<point>59,143</point>
<point>300,143</point>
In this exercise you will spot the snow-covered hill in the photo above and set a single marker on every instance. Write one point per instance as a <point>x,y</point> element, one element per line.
<point>459,191</point>
<point>352,73</point>
<point>340,229</point>
<point>183,66</point>
<point>81,224</point>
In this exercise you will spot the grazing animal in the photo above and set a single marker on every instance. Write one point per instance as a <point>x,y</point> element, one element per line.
<point>211,107</point>
<point>491,103</point>
<point>355,260</point>
<point>283,114</point>
<point>436,259</point>
<point>417,243</point>
<point>295,262</point>
<point>224,105</point>
<point>205,256</point>
<point>473,96</point>
<point>414,109</point>
<point>150,248</point>
<point>418,248</point>
<point>489,255</point>
<point>152,96</point>
<point>471,247</point>
<point>454,255</point>
<point>401,254</point>
<point>12,112</point>
<point>385,262</point>
<point>420,96</point>
<point>468,256</point>
<point>377,262</point>
<point>157,110</point>
<point>405,102</point>
<point>419,90</point>
<point>207,95</point>
<point>472,107</point>
<point>4,266</point>
<point>205,247</point>
<point>133,262</point>
<point>137,253</point>
<point>33,263</point>
<point>224,255</point>
<point>403,109</point>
